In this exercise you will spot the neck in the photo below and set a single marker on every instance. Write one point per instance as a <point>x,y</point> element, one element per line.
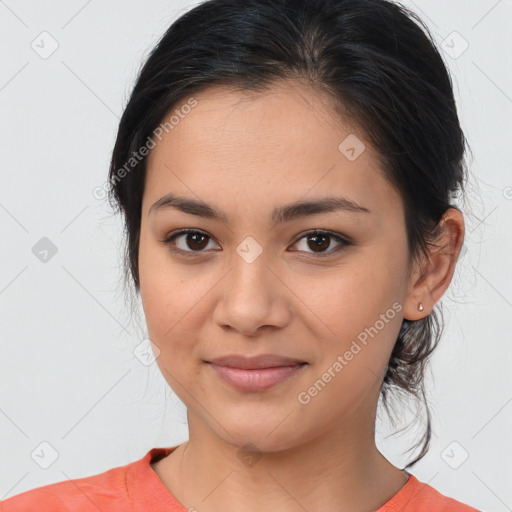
<point>328,473</point>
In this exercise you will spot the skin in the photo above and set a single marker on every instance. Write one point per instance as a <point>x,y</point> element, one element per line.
<point>247,153</point>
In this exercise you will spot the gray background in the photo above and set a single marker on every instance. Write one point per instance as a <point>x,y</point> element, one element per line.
<point>69,376</point>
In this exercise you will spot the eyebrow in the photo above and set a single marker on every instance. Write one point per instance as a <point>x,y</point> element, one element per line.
<point>279,215</point>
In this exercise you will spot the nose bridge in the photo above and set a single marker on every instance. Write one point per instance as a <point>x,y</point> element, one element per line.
<point>250,273</point>
<point>250,296</point>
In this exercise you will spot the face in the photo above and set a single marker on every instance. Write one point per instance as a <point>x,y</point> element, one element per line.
<point>322,286</point>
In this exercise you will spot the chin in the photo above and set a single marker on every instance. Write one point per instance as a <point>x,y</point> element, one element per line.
<point>262,436</point>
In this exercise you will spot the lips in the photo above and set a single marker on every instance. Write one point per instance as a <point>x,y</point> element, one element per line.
<point>255,362</point>
<point>255,374</point>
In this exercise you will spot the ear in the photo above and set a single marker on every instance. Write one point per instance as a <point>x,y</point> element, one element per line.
<point>430,280</point>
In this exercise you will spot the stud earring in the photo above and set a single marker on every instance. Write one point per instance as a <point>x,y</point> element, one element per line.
<point>420,307</point>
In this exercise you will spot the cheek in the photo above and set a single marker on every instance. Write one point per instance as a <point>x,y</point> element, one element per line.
<point>169,318</point>
<point>351,298</point>
<point>171,305</point>
<point>163,293</point>
<point>175,303</point>
<point>357,308</point>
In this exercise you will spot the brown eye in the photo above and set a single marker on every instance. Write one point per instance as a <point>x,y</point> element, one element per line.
<point>188,241</point>
<point>319,241</point>
<point>196,241</point>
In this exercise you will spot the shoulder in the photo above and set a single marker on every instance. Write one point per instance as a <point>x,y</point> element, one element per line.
<point>79,494</point>
<point>110,490</point>
<point>417,496</point>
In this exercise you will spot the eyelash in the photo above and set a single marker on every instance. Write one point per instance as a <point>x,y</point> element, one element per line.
<point>345,242</point>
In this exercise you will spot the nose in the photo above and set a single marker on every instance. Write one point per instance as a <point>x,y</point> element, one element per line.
<point>253,297</point>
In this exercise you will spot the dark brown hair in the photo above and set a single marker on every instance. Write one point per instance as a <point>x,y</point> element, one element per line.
<point>379,64</point>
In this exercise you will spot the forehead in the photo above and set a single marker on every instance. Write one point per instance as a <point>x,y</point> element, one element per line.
<point>262,146</point>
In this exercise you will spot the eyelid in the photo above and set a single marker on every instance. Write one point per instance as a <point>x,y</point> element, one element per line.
<point>343,240</point>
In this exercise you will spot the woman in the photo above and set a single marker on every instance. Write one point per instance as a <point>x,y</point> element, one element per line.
<point>286,173</point>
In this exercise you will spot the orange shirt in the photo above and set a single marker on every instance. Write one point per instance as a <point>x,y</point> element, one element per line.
<point>136,487</point>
